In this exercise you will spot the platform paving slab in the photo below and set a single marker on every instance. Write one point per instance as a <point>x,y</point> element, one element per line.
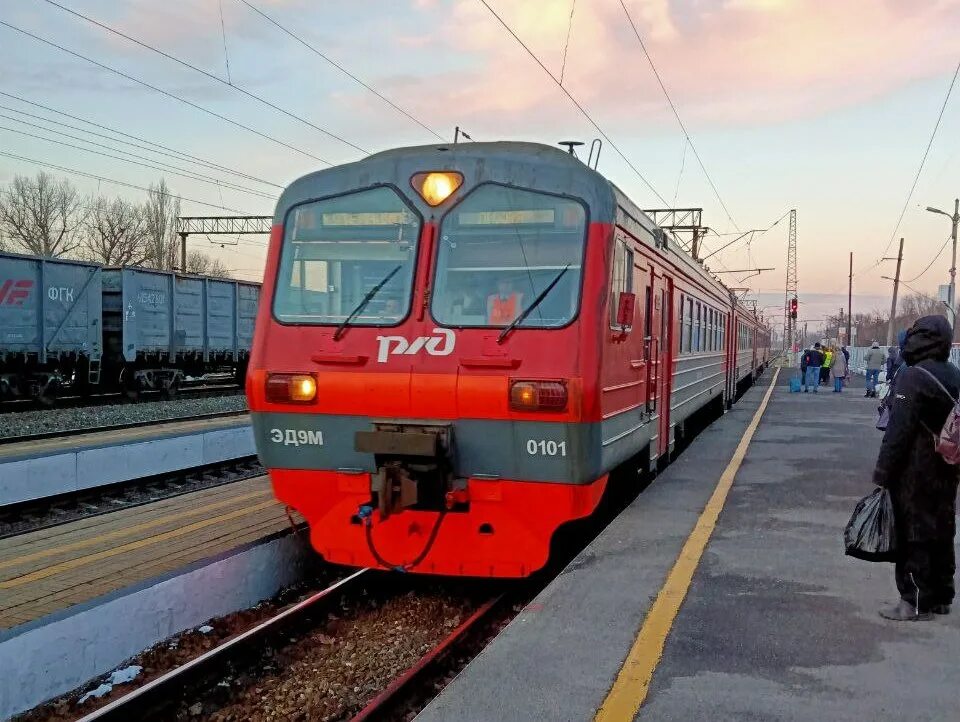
<point>777,625</point>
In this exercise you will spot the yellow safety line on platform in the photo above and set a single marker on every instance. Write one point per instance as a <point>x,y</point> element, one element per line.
<point>130,530</point>
<point>131,546</point>
<point>633,682</point>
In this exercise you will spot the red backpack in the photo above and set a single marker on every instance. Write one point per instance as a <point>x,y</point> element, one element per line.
<point>947,443</point>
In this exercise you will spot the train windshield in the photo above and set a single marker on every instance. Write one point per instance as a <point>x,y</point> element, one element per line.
<point>503,252</point>
<point>350,257</point>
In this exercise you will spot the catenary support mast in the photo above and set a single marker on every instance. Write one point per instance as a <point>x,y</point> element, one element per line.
<point>791,292</point>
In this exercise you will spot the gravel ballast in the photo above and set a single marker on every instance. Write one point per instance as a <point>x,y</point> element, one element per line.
<point>24,423</point>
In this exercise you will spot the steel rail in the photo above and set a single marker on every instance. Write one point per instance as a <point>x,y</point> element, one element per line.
<point>138,703</point>
<point>166,421</point>
<point>380,705</point>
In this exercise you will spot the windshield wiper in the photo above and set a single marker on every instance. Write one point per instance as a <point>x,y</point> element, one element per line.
<point>363,303</point>
<point>533,304</point>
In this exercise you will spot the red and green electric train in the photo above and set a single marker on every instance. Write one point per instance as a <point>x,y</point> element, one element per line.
<point>458,344</point>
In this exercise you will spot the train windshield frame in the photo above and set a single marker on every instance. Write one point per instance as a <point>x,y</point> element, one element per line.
<point>338,250</point>
<point>502,250</point>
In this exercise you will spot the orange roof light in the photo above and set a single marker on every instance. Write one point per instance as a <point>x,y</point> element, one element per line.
<point>435,187</point>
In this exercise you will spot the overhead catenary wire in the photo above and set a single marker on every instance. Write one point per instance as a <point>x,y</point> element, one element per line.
<point>916,178</point>
<point>566,44</point>
<point>260,99</point>
<point>167,93</point>
<point>223,32</point>
<point>676,114</point>
<point>934,260</point>
<point>134,159</point>
<point>164,149</point>
<point>573,100</point>
<point>105,179</point>
<point>313,49</point>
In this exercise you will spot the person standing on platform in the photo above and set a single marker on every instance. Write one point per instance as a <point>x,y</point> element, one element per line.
<point>922,485</point>
<point>814,364</point>
<point>838,370</point>
<point>804,360</point>
<point>873,359</point>
<point>825,368</point>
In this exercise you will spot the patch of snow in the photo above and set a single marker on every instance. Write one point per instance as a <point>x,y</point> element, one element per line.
<point>205,629</point>
<point>98,692</point>
<point>127,674</point>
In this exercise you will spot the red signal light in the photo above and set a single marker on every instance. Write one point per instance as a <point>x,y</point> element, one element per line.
<point>793,307</point>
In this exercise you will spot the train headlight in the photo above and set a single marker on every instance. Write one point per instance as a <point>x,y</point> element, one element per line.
<point>291,388</point>
<point>436,187</point>
<point>538,396</point>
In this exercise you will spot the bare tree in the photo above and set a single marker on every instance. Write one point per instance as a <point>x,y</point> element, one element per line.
<point>202,264</point>
<point>160,212</point>
<point>42,215</point>
<point>115,233</point>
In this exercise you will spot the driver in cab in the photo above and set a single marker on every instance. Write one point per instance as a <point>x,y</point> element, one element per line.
<point>504,305</point>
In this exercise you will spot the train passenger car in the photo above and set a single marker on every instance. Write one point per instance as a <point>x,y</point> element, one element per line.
<point>459,344</point>
<point>73,327</point>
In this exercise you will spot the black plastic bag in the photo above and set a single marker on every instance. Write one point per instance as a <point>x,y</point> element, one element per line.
<point>870,533</point>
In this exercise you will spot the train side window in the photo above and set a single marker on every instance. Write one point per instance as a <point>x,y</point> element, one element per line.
<point>647,311</point>
<point>621,279</point>
<point>698,334</point>
<point>710,331</point>
<point>687,325</point>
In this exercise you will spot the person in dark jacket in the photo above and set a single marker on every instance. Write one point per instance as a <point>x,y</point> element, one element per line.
<point>922,485</point>
<point>814,359</point>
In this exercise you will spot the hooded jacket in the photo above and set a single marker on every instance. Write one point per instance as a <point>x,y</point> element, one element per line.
<point>874,358</point>
<point>922,484</point>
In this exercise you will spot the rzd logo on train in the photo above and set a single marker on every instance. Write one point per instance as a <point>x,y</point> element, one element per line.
<point>440,345</point>
<point>13,293</point>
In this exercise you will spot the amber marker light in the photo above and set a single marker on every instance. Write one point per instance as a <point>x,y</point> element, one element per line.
<point>538,396</point>
<point>435,187</point>
<point>291,388</point>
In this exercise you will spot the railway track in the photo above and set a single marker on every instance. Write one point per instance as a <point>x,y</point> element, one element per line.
<point>197,687</point>
<point>56,510</point>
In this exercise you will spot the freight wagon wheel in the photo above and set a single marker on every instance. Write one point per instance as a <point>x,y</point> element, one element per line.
<point>169,390</point>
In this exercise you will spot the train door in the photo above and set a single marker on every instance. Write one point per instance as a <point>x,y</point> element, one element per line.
<point>733,343</point>
<point>663,311</point>
<point>624,364</point>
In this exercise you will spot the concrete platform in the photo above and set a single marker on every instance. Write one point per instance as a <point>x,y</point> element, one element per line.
<point>49,467</point>
<point>50,570</point>
<point>777,624</point>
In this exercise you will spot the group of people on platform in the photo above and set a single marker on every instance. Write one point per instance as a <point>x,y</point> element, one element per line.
<point>819,363</point>
<point>922,392</point>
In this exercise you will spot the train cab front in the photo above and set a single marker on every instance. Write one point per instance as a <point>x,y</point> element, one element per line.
<point>416,384</point>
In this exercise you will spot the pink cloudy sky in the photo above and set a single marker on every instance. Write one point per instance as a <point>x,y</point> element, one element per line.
<point>821,106</point>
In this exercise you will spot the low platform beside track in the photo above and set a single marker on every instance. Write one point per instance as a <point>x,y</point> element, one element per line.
<point>80,598</point>
<point>37,469</point>
<point>723,593</point>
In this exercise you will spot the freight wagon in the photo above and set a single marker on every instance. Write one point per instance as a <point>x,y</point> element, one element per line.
<point>75,327</point>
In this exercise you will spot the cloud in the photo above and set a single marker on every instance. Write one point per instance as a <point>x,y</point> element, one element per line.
<point>726,62</point>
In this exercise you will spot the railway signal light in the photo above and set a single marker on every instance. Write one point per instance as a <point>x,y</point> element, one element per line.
<point>793,307</point>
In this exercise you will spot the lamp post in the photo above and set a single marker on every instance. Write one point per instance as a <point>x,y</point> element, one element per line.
<point>955,221</point>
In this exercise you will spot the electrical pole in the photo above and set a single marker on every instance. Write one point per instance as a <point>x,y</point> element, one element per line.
<point>791,286</point>
<point>850,303</point>
<point>955,221</point>
<point>953,263</point>
<point>893,305</point>
<point>183,252</point>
